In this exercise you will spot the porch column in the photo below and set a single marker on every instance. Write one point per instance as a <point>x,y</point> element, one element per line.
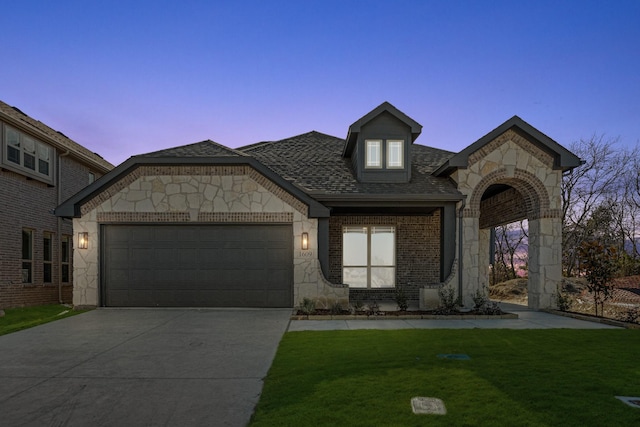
<point>545,261</point>
<point>470,257</point>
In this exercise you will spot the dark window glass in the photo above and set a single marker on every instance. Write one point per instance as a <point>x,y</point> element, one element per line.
<point>27,249</point>
<point>13,155</point>
<point>65,273</point>
<point>43,167</point>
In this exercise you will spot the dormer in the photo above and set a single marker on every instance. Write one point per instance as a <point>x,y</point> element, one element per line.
<point>379,145</point>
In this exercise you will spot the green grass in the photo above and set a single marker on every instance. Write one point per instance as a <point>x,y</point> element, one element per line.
<point>514,378</point>
<point>16,319</point>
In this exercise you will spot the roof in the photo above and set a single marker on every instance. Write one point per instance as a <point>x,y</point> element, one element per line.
<point>354,129</point>
<point>200,153</point>
<point>15,117</point>
<point>563,158</point>
<point>205,148</point>
<point>313,162</point>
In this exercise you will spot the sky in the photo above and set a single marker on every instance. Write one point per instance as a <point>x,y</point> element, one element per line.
<point>131,77</point>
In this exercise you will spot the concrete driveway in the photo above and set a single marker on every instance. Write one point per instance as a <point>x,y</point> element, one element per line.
<point>142,367</point>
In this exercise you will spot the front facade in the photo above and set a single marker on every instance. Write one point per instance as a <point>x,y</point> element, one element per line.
<point>315,216</point>
<point>39,168</point>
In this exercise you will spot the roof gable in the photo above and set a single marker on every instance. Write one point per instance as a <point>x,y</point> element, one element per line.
<point>205,148</point>
<point>563,158</point>
<point>13,116</point>
<point>356,127</point>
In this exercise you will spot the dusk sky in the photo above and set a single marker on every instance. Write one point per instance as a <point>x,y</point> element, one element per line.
<point>129,77</point>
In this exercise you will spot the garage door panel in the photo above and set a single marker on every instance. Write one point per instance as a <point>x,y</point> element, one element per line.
<point>203,265</point>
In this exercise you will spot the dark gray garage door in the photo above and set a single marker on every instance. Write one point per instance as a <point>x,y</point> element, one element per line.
<point>197,266</point>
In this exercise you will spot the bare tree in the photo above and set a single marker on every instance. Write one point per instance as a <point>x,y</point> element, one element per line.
<point>510,250</point>
<point>596,181</point>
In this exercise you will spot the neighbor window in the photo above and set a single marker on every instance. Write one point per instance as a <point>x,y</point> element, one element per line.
<point>92,177</point>
<point>47,257</point>
<point>27,256</point>
<point>368,256</point>
<point>65,255</point>
<point>373,153</point>
<point>27,154</point>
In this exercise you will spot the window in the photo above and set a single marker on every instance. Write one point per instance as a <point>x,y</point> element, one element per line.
<point>394,153</point>
<point>395,159</point>
<point>374,153</point>
<point>27,154</point>
<point>92,177</point>
<point>47,257</point>
<point>368,256</point>
<point>64,258</point>
<point>27,256</point>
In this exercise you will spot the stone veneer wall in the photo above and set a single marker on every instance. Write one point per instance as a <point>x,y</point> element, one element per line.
<point>511,159</point>
<point>199,194</point>
<point>417,252</point>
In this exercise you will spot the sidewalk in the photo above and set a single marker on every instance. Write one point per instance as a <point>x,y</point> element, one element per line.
<point>527,319</point>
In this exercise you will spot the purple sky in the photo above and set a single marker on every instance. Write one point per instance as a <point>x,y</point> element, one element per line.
<point>130,77</point>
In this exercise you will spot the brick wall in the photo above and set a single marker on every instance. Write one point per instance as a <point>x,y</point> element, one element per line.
<point>503,208</point>
<point>417,252</point>
<point>29,203</point>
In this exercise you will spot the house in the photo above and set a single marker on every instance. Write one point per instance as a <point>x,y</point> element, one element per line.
<point>316,216</point>
<point>39,168</point>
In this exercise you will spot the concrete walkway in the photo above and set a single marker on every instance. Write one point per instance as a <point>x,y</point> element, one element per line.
<point>527,319</point>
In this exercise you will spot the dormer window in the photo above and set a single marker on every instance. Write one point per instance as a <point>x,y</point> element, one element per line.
<point>379,145</point>
<point>395,154</point>
<point>394,158</point>
<point>374,153</point>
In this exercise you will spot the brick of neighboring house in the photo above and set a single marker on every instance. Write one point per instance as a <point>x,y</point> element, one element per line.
<point>29,203</point>
<point>417,253</point>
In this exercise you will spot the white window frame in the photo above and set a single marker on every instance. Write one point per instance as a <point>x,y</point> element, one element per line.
<point>372,146</point>
<point>28,147</point>
<point>395,145</point>
<point>369,231</point>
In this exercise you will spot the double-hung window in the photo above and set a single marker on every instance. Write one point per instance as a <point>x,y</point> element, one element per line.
<point>368,256</point>
<point>27,154</point>
<point>27,255</point>
<point>384,153</point>
<point>47,257</point>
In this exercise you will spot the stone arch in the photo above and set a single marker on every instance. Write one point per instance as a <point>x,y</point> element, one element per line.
<point>544,234</point>
<point>533,191</point>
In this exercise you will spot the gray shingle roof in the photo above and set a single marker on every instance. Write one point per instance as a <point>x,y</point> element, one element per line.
<point>206,148</point>
<point>62,142</point>
<point>313,161</point>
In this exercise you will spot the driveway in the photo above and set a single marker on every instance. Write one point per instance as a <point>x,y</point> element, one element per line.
<point>117,367</point>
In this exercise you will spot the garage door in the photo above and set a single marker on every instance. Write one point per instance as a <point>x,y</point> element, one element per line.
<point>197,266</point>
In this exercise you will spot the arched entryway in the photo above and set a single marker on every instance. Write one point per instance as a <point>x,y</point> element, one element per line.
<point>503,196</point>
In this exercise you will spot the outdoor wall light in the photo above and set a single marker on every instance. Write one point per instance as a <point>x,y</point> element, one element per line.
<point>83,240</point>
<point>305,241</point>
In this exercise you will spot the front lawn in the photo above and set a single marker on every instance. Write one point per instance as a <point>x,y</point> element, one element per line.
<point>16,319</point>
<point>553,377</point>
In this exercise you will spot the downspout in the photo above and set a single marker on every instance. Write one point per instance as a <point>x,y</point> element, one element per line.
<point>59,230</point>
<point>460,251</point>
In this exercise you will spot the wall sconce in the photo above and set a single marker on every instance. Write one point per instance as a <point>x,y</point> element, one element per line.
<point>305,241</point>
<point>83,240</point>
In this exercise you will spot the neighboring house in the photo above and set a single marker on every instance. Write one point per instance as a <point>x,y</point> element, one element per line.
<point>319,217</point>
<point>39,168</point>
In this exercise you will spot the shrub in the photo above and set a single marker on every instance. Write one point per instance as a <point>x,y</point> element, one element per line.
<point>308,306</point>
<point>631,315</point>
<point>335,308</point>
<point>480,299</point>
<point>401,298</point>
<point>562,300</point>
<point>448,300</point>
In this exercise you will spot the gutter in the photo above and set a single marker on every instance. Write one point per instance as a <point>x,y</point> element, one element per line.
<point>59,224</point>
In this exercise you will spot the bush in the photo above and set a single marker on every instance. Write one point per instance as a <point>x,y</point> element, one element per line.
<point>599,264</point>
<point>308,306</point>
<point>562,300</point>
<point>480,299</point>
<point>448,300</point>
<point>401,298</point>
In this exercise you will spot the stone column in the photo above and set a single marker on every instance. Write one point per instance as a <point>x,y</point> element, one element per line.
<point>470,258</point>
<point>545,261</point>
